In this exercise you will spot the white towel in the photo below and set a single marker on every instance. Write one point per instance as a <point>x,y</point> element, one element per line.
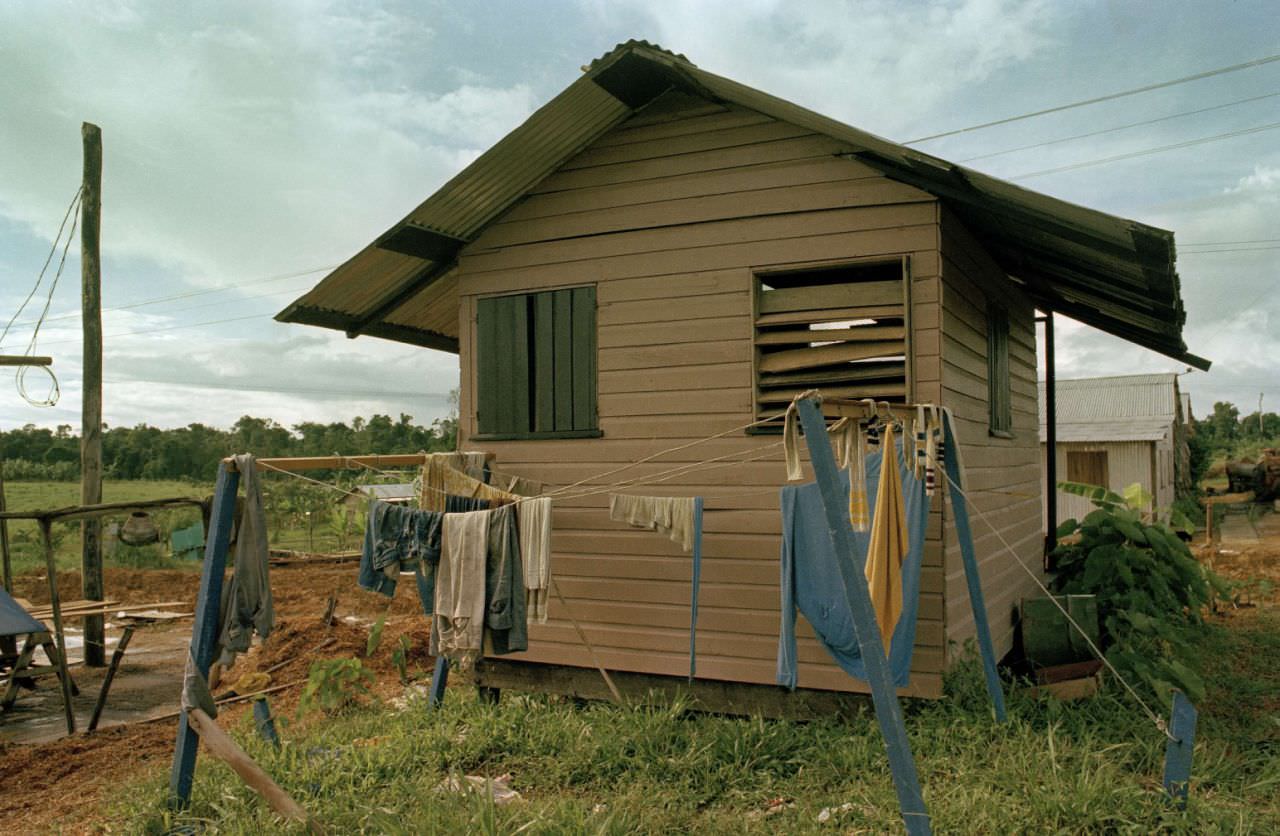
<point>535,554</point>
<point>458,630</point>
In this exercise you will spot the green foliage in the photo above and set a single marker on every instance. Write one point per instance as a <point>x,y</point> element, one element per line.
<point>400,658</point>
<point>375,636</point>
<point>334,685</point>
<point>1150,589</point>
<point>145,452</point>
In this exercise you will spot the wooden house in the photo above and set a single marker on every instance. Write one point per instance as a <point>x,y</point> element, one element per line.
<point>1120,431</point>
<point>660,254</point>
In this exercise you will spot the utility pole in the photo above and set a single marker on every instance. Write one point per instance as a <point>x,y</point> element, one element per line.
<point>91,407</point>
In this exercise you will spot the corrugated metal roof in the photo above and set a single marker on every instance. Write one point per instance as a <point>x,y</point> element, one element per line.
<point>1115,274</point>
<point>1139,407</point>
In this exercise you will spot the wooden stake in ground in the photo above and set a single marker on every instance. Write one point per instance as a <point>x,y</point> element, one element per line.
<point>64,675</point>
<point>91,407</point>
<point>4,538</point>
<point>111,674</point>
<point>220,744</point>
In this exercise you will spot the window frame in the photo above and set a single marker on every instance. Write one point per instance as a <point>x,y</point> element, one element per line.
<point>541,310</point>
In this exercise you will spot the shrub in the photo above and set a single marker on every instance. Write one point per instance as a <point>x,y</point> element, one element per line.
<point>1150,589</point>
<point>334,685</point>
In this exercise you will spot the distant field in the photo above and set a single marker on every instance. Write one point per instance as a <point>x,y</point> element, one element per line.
<point>326,527</point>
<point>24,536</point>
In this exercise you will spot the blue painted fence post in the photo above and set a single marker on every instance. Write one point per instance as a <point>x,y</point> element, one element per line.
<point>697,581</point>
<point>964,533</point>
<point>204,633</point>
<point>439,679</point>
<point>888,712</point>
<point>265,723</point>
<point>1177,752</point>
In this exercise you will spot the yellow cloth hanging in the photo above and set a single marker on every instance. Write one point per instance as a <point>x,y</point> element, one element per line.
<point>888,542</point>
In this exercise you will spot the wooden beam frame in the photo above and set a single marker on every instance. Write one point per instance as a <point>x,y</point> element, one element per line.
<point>24,360</point>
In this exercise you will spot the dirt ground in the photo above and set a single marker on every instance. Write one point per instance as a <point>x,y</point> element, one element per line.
<point>62,783</point>
<point>52,781</point>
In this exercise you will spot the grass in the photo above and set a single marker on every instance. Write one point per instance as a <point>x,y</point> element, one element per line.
<point>1092,766</point>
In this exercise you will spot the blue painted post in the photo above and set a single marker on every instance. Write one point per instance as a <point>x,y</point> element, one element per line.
<point>1177,752</point>
<point>964,533</point>
<point>265,723</point>
<point>439,679</point>
<point>888,712</point>
<point>697,580</point>
<point>204,633</point>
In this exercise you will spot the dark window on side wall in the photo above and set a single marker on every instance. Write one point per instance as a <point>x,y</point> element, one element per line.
<point>536,364</point>
<point>1088,467</point>
<point>1001,418</point>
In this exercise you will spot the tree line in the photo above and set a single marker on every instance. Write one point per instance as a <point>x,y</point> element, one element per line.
<point>1226,435</point>
<point>193,451</point>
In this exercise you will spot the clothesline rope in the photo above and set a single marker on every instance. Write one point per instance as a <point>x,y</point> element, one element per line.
<point>661,453</point>
<point>1151,714</point>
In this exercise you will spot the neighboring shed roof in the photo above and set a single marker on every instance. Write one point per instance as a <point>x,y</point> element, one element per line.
<point>1115,274</point>
<point>1138,407</point>
<point>387,493</point>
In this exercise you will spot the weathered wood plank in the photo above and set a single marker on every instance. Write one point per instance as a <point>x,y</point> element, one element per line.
<point>827,296</point>
<point>856,333</point>
<point>826,355</point>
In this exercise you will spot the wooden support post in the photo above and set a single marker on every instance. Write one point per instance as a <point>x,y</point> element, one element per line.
<point>977,601</point>
<point>227,750</point>
<point>4,537</point>
<point>888,712</point>
<point>116,657</point>
<point>91,405</point>
<point>64,676</point>
<point>204,632</point>
<point>24,659</point>
<point>1177,752</point>
<point>1051,443</point>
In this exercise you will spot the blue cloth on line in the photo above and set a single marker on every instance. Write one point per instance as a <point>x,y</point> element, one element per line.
<point>811,579</point>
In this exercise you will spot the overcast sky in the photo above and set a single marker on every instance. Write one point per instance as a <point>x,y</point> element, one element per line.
<point>250,143</point>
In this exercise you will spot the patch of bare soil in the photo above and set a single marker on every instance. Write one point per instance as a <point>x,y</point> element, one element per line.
<point>63,785</point>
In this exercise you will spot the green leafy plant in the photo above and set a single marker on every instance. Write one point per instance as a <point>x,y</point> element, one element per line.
<point>375,636</point>
<point>400,658</point>
<point>334,685</point>
<point>1150,589</point>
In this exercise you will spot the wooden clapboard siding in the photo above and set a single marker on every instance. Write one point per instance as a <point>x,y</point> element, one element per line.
<point>669,217</point>
<point>1003,473</point>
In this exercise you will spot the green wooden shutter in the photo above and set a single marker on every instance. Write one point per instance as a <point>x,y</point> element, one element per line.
<point>584,358</point>
<point>502,365</point>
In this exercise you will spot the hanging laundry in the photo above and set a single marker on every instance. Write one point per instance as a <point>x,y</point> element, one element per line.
<point>246,599</point>
<point>859,506</point>
<point>462,504</point>
<point>458,628</point>
<point>535,554</point>
<point>440,479</point>
<point>811,580</point>
<point>887,545</point>
<point>518,485</point>
<point>672,515</point>
<point>401,539</point>
<point>505,609</point>
<point>434,467</point>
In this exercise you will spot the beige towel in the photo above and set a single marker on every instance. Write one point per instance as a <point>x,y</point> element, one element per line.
<point>672,515</point>
<point>518,485</point>
<point>535,554</point>
<point>458,630</point>
<point>440,478</point>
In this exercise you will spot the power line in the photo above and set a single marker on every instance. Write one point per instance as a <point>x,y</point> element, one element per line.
<point>1257,62</point>
<point>172,328</point>
<point>204,292</point>
<point>1222,243</point>
<point>249,386</point>
<point>1117,128</point>
<point>1148,151</point>
<point>1228,250</point>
